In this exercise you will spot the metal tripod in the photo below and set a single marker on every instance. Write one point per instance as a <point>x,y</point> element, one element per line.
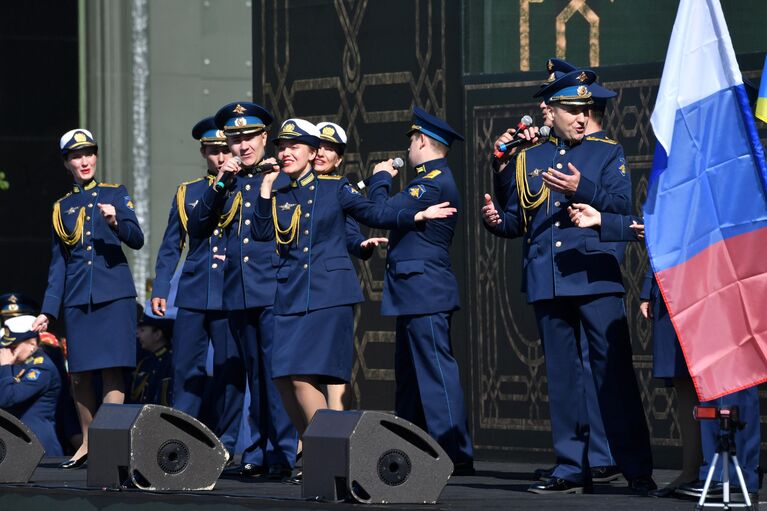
<point>726,449</point>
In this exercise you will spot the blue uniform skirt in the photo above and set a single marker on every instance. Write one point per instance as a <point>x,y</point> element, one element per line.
<point>667,356</point>
<point>101,335</point>
<point>319,343</point>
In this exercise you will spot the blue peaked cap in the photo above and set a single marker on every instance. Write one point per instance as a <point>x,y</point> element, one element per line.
<point>433,127</point>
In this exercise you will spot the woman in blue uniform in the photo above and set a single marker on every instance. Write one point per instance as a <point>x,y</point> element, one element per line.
<point>29,382</point>
<point>316,283</point>
<point>90,282</point>
<point>330,155</point>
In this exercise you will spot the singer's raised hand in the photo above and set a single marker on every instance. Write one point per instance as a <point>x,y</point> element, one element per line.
<point>374,242</point>
<point>386,166</point>
<point>109,213</point>
<point>584,215</point>
<point>266,184</point>
<point>563,183</point>
<point>489,214</point>
<point>273,161</point>
<point>232,165</point>
<point>435,212</point>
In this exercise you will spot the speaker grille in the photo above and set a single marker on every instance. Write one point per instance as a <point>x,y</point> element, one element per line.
<point>173,456</point>
<point>394,467</point>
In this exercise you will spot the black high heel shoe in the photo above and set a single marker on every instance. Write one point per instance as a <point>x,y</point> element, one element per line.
<point>73,464</point>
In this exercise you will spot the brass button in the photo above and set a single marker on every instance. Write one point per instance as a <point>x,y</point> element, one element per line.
<point>311,187</point>
<point>529,240</point>
<point>247,187</point>
<point>250,174</point>
<point>89,248</point>
<point>87,218</point>
<point>562,151</point>
<point>215,249</point>
<point>558,244</point>
<point>247,204</point>
<point>214,265</point>
<point>215,231</point>
<point>309,201</point>
<point>305,266</point>
<point>87,233</point>
<point>246,241</point>
<point>557,203</point>
<point>89,263</point>
<point>559,165</point>
<point>556,224</point>
<point>245,259</point>
<point>306,215</point>
<point>90,205</point>
<point>94,193</point>
<point>247,222</point>
<point>306,232</point>
<point>306,249</point>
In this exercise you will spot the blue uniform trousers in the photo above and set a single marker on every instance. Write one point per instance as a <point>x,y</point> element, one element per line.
<point>746,441</point>
<point>601,320</point>
<point>274,440</point>
<point>599,448</point>
<point>192,331</point>
<point>429,390</point>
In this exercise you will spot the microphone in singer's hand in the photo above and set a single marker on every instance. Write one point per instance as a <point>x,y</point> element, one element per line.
<point>226,179</point>
<point>504,148</point>
<point>397,163</point>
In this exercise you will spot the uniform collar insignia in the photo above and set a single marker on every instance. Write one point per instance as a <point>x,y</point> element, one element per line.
<point>91,184</point>
<point>307,179</point>
<point>287,206</point>
<point>420,168</point>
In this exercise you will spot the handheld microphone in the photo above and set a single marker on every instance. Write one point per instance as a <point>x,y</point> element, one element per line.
<point>397,163</point>
<point>261,168</point>
<point>543,132</point>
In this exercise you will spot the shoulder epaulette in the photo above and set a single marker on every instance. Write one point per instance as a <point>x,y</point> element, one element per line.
<point>432,174</point>
<point>193,181</point>
<point>605,140</point>
<point>64,197</point>
<point>109,185</point>
<point>540,142</point>
<point>330,177</point>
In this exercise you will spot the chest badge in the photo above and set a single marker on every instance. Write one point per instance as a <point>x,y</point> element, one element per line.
<point>536,173</point>
<point>72,210</point>
<point>287,206</point>
<point>193,204</point>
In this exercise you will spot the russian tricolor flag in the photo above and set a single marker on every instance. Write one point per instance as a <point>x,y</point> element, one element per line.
<point>706,210</point>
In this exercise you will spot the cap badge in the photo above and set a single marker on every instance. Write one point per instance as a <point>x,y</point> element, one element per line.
<point>219,134</point>
<point>583,77</point>
<point>582,91</point>
<point>550,66</point>
<point>240,122</point>
<point>239,109</point>
<point>13,299</point>
<point>80,137</point>
<point>328,131</point>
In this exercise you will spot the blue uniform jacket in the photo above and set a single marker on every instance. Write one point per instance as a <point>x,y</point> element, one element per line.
<point>249,269</point>
<point>93,268</point>
<point>559,258</point>
<point>419,277</point>
<point>30,392</point>
<point>152,379</point>
<point>314,269</point>
<point>618,227</point>
<point>201,283</point>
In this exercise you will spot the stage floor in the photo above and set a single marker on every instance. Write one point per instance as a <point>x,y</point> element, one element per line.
<point>497,486</point>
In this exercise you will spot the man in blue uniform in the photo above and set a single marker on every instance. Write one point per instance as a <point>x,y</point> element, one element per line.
<point>200,318</point>
<point>153,377</point>
<point>249,282</point>
<point>421,290</point>
<point>574,282</point>
<point>29,382</point>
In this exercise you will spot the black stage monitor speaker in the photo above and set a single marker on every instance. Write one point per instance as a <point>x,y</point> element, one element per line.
<point>20,450</point>
<point>372,457</point>
<point>154,447</point>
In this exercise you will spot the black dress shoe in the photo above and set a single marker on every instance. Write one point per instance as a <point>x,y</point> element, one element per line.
<point>252,470</point>
<point>278,472</point>
<point>296,479</point>
<point>663,493</point>
<point>695,489</point>
<point>78,463</point>
<point>557,485</point>
<point>544,474</point>
<point>605,474</point>
<point>464,468</point>
<point>642,485</point>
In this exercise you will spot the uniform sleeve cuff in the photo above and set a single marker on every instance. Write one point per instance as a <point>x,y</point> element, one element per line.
<point>585,192</point>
